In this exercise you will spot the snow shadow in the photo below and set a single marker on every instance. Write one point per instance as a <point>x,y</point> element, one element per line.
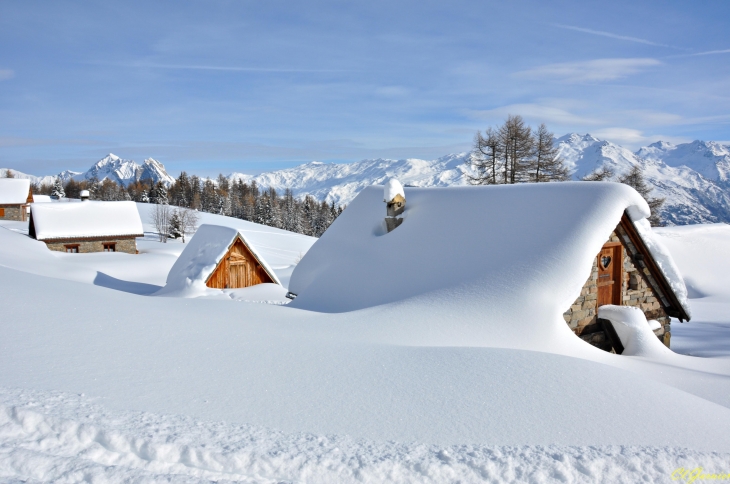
<point>139,288</point>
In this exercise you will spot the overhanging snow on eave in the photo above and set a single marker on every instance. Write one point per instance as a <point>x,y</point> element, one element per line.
<point>79,238</point>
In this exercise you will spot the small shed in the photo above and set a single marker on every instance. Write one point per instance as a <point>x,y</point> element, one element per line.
<point>220,258</point>
<point>16,196</point>
<point>82,227</point>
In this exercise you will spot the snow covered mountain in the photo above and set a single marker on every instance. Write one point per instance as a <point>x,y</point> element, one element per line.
<point>340,182</point>
<point>693,177</point>
<point>112,167</point>
<point>125,172</point>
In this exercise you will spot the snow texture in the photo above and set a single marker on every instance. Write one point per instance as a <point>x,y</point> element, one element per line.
<point>528,243</point>
<point>199,259</point>
<point>14,190</point>
<point>87,219</point>
<point>634,331</point>
<point>392,188</point>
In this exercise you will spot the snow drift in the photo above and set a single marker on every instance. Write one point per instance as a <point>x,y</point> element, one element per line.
<point>508,249</point>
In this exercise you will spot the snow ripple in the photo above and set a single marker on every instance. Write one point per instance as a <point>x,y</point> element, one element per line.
<point>55,437</point>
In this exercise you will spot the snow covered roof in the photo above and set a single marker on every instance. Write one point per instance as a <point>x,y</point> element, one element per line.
<point>84,220</point>
<point>512,246</point>
<point>200,258</point>
<point>14,190</point>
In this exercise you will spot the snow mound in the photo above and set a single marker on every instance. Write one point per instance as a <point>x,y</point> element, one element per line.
<point>87,219</point>
<point>634,331</point>
<point>199,259</point>
<point>510,247</point>
<point>393,188</point>
<point>14,190</point>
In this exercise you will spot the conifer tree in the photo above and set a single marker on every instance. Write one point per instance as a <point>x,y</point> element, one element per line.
<point>58,191</point>
<point>635,179</point>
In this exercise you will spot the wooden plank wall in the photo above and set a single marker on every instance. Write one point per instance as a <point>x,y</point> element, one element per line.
<point>246,269</point>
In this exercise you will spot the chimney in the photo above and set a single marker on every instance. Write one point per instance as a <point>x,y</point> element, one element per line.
<point>84,195</point>
<point>395,200</point>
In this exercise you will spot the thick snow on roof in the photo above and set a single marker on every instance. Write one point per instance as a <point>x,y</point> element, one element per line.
<point>14,190</point>
<point>87,219</point>
<point>393,188</point>
<point>199,259</point>
<point>514,248</point>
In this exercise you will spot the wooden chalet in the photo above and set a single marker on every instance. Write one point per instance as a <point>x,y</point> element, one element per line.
<point>222,258</point>
<point>82,227</point>
<point>624,273</point>
<point>16,196</point>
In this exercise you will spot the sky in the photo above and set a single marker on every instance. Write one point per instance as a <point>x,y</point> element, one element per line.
<point>250,86</point>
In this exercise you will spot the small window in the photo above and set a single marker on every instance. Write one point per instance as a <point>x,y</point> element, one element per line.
<point>72,249</point>
<point>2,212</point>
<point>110,247</point>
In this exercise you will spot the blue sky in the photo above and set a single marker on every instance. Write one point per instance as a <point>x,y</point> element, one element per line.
<point>251,86</point>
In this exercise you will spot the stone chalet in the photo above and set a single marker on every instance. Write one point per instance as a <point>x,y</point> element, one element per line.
<point>81,227</point>
<point>15,198</point>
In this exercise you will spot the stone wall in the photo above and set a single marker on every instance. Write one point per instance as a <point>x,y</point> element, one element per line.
<point>13,212</point>
<point>127,245</point>
<point>635,291</point>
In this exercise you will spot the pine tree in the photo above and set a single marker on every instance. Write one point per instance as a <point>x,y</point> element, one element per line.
<point>58,191</point>
<point>161,194</point>
<point>176,228</point>
<point>635,179</point>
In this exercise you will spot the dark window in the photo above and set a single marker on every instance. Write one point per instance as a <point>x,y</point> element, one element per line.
<point>72,249</point>
<point>110,247</point>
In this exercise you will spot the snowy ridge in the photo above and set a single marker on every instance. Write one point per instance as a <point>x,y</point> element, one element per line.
<point>341,182</point>
<point>110,167</point>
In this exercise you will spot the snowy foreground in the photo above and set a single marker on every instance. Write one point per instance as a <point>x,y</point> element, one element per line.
<point>102,382</point>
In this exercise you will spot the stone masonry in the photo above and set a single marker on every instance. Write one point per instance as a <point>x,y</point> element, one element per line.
<point>635,291</point>
<point>13,212</point>
<point>127,245</point>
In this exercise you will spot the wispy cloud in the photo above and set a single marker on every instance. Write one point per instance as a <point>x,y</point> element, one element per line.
<point>152,65</point>
<point>537,112</point>
<point>6,74</point>
<point>634,138</point>
<point>616,36</point>
<point>590,71</point>
<point>713,52</point>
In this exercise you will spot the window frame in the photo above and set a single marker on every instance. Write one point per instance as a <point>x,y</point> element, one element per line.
<point>109,245</point>
<point>71,248</point>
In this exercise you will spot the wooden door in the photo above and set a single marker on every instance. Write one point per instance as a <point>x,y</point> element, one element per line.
<point>238,269</point>
<point>610,263</point>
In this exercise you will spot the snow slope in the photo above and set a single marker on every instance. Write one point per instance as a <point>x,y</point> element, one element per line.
<point>146,272</point>
<point>102,385</point>
<point>701,252</point>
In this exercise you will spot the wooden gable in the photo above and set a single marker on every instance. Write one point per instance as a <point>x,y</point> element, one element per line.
<point>238,268</point>
<point>624,273</point>
<point>30,195</point>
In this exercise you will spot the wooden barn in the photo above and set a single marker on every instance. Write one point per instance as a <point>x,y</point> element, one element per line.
<point>221,258</point>
<point>83,227</point>
<point>624,273</point>
<point>16,196</point>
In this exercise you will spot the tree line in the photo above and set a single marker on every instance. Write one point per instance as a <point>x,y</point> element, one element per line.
<point>246,201</point>
<point>516,153</point>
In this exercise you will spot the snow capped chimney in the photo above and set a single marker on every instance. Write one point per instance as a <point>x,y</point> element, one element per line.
<point>395,199</point>
<point>84,195</point>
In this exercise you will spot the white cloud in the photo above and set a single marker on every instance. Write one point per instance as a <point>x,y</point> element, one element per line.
<point>590,71</point>
<point>6,74</point>
<point>538,112</point>
<point>633,138</point>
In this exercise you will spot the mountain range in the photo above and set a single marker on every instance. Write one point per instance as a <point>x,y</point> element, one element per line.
<point>694,178</point>
<point>121,171</point>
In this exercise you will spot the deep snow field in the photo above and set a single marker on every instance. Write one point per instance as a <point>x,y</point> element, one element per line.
<point>100,381</point>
